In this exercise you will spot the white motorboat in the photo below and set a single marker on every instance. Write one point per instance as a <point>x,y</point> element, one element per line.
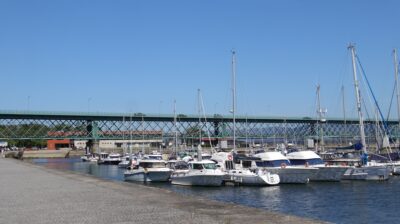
<point>112,159</point>
<point>309,158</point>
<point>198,173</point>
<point>89,158</point>
<point>126,161</point>
<point>102,157</point>
<point>242,173</point>
<point>153,156</point>
<point>149,170</point>
<point>276,163</point>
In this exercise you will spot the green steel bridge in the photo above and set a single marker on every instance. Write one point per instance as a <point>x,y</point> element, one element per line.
<point>109,126</point>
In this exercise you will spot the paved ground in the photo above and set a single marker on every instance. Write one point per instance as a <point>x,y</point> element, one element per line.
<point>31,194</point>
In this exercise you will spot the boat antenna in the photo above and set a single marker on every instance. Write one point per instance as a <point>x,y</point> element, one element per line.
<point>321,117</point>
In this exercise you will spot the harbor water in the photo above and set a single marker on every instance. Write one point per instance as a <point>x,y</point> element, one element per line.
<point>337,202</point>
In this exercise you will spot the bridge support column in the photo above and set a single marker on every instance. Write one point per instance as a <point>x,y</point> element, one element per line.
<point>95,147</point>
<point>94,141</point>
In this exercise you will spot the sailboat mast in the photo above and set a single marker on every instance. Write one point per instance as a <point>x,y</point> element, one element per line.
<point>175,129</point>
<point>344,112</point>
<point>234,97</point>
<point>199,111</point>
<point>130,138</point>
<point>358,98</point>
<point>123,136</point>
<point>396,76</point>
<point>247,134</point>
<point>143,151</point>
<point>320,117</point>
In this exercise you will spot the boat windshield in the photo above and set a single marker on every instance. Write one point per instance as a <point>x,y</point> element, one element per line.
<point>197,166</point>
<point>273,163</point>
<point>156,157</point>
<point>200,166</point>
<point>210,166</point>
<point>315,161</point>
<point>152,165</point>
<point>206,157</point>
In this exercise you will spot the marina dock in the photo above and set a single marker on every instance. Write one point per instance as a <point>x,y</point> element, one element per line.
<point>34,194</point>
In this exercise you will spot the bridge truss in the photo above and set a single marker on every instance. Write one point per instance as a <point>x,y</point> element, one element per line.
<point>95,126</point>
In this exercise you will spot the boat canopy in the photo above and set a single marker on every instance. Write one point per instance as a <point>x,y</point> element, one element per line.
<point>270,156</point>
<point>303,155</point>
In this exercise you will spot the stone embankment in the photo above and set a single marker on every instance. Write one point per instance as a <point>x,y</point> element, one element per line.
<point>34,154</point>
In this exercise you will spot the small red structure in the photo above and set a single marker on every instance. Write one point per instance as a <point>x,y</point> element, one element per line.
<point>58,143</point>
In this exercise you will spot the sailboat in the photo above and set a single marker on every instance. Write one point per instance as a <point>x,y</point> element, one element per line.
<point>366,170</point>
<point>240,171</point>
<point>387,156</point>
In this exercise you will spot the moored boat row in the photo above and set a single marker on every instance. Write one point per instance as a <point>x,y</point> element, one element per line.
<point>261,169</point>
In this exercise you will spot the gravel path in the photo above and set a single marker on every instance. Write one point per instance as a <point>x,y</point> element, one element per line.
<point>33,194</point>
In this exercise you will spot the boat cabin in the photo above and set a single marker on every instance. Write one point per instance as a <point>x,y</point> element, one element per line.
<point>304,158</point>
<point>152,164</point>
<point>103,155</point>
<point>204,164</point>
<point>272,159</point>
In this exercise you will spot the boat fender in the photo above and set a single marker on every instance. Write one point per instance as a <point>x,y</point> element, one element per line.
<point>283,165</point>
<point>229,157</point>
<point>306,164</point>
<point>326,164</point>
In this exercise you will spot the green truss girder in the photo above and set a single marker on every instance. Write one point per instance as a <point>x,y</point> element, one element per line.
<point>35,125</point>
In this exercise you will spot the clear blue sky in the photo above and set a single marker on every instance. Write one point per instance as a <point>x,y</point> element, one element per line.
<point>122,56</point>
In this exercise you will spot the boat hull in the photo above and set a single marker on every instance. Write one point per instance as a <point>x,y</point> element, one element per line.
<point>253,180</point>
<point>328,174</point>
<point>89,159</point>
<point>291,175</point>
<point>197,180</point>
<point>124,164</point>
<point>396,170</point>
<point>367,173</point>
<point>111,162</point>
<point>149,176</point>
<point>248,178</point>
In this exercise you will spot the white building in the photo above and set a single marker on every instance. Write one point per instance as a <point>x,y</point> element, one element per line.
<point>81,144</point>
<point>110,144</point>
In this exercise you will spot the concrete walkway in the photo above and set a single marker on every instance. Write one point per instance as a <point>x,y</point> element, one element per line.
<point>31,194</point>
